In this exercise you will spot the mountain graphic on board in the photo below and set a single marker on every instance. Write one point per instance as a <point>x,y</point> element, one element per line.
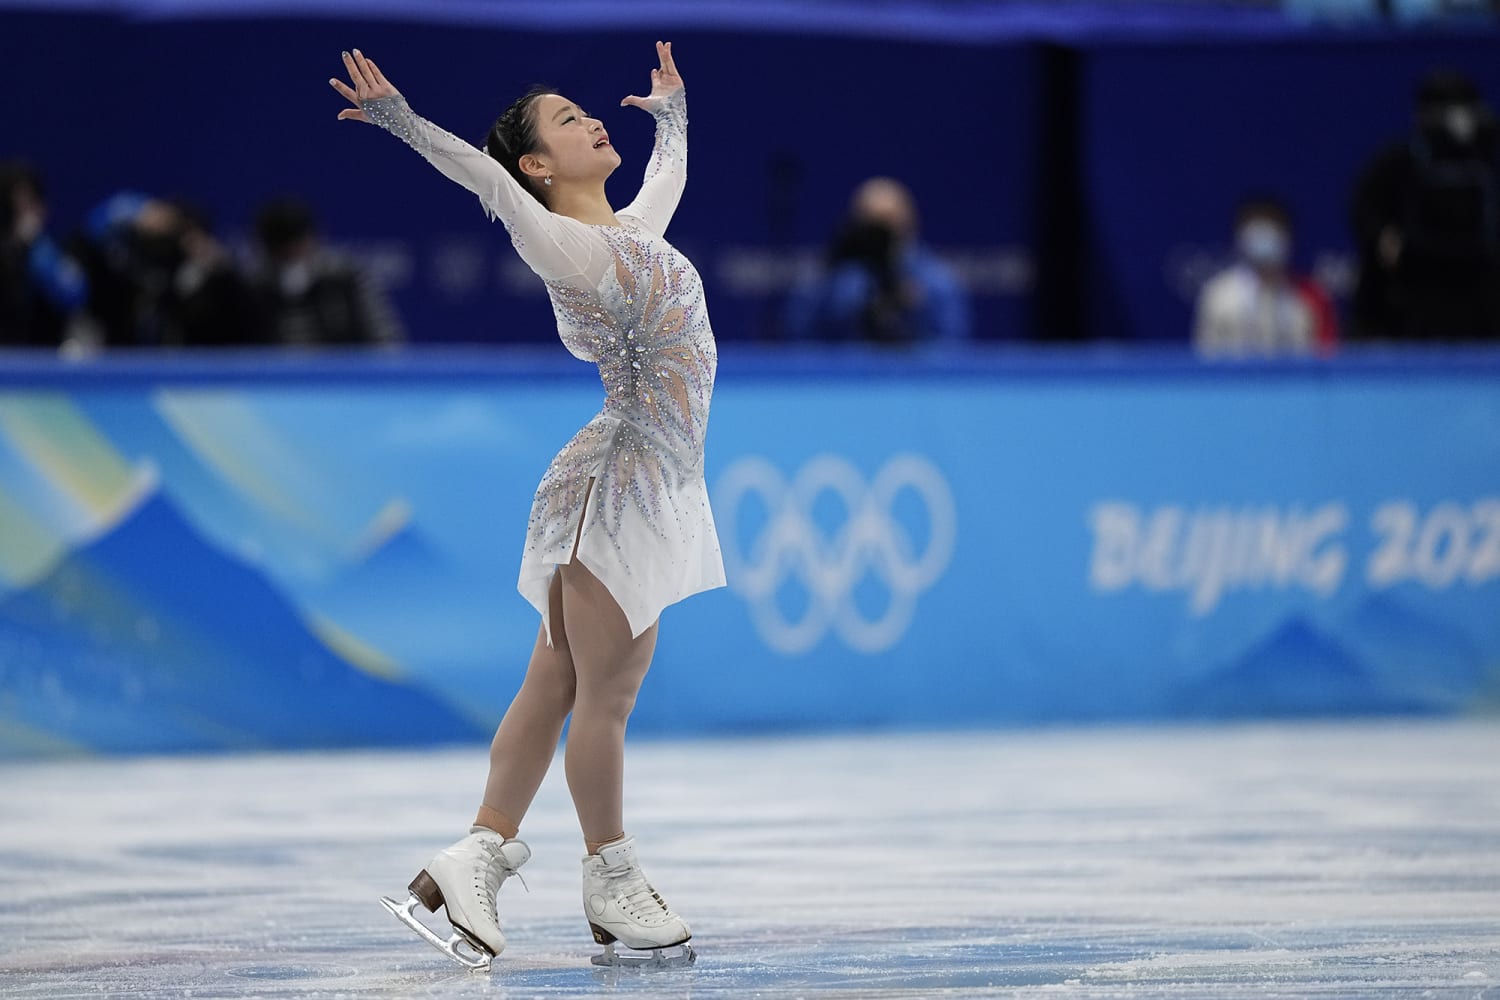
<point>1296,671</point>
<point>1416,650</point>
<point>149,638</point>
<point>405,595</point>
<point>395,558</point>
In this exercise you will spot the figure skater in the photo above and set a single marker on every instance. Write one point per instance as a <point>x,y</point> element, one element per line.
<point>620,526</point>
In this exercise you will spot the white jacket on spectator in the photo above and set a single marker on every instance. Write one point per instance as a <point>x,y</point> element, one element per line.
<point>1240,314</point>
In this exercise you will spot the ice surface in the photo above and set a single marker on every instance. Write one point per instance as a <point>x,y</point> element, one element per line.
<point>1268,861</point>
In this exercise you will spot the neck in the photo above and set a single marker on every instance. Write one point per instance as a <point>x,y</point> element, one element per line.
<point>1269,275</point>
<point>586,204</point>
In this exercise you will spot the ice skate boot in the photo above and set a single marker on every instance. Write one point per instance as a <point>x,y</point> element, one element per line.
<point>464,879</point>
<point>622,906</point>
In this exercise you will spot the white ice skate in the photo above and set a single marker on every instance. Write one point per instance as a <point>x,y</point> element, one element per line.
<point>464,879</point>
<point>621,906</point>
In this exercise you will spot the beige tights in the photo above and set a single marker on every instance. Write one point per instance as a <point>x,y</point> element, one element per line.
<point>594,670</point>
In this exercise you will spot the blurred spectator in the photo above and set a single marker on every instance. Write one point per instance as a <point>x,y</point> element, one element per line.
<point>42,290</point>
<point>311,295</point>
<point>1426,217</point>
<point>209,302</point>
<point>129,249</point>
<point>880,283</point>
<point>159,278</point>
<point>1257,307</point>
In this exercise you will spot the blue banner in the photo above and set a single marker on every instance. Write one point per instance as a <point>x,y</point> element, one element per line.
<point>275,552</point>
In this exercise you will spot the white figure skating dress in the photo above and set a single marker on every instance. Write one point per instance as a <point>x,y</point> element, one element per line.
<point>626,300</point>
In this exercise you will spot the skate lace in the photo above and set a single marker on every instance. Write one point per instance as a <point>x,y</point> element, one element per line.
<point>493,875</point>
<point>631,890</point>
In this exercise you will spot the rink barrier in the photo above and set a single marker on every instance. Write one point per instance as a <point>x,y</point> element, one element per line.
<point>278,551</point>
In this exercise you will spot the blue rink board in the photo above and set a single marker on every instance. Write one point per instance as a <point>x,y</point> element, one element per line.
<point>287,552</point>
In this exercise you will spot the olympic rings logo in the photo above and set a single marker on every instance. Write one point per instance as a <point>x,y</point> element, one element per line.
<point>872,540</point>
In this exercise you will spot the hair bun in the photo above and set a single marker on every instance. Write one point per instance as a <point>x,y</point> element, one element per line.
<point>514,134</point>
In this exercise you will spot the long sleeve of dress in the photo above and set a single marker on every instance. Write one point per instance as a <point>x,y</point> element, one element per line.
<point>554,247</point>
<point>666,172</point>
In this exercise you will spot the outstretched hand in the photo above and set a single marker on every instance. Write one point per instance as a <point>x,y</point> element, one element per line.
<point>369,84</point>
<point>665,81</point>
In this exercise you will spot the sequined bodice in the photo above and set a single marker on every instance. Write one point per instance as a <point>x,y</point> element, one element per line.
<point>625,496</point>
<point>646,326</point>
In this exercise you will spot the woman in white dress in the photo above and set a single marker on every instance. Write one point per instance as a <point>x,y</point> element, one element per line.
<point>620,526</point>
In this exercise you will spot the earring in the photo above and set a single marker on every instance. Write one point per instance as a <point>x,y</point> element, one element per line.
<point>547,181</point>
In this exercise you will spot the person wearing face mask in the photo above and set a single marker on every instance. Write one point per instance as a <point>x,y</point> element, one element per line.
<point>130,250</point>
<point>208,302</point>
<point>311,296</point>
<point>1257,307</point>
<point>43,291</point>
<point>1426,219</point>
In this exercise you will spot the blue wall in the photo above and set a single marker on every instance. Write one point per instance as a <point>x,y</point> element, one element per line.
<point>1099,156</point>
<point>283,551</point>
<point>1175,134</point>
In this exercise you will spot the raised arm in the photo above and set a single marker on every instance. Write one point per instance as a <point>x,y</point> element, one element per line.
<point>666,172</point>
<point>552,246</point>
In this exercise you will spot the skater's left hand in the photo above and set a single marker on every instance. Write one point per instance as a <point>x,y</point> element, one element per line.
<point>369,84</point>
<point>665,82</point>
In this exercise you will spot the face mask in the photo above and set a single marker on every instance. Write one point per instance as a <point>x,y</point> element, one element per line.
<point>1461,123</point>
<point>1264,243</point>
<point>295,278</point>
<point>29,225</point>
<point>157,251</point>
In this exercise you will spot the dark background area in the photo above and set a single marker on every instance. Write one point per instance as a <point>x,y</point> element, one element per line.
<point>1083,172</point>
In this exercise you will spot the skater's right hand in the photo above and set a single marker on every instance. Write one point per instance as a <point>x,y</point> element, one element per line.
<point>369,84</point>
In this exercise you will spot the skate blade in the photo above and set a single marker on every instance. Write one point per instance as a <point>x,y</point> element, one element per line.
<point>473,957</point>
<point>660,958</point>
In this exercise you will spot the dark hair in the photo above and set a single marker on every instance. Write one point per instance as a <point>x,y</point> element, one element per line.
<point>1443,87</point>
<point>282,224</point>
<point>1263,207</point>
<point>17,174</point>
<point>514,134</point>
<point>191,217</point>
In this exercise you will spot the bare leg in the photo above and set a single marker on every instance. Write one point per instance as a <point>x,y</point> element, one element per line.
<point>609,666</point>
<point>527,738</point>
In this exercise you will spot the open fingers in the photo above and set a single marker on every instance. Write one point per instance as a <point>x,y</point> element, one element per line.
<point>364,68</point>
<point>380,80</point>
<point>352,70</point>
<point>664,52</point>
<point>345,90</point>
<point>356,75</point>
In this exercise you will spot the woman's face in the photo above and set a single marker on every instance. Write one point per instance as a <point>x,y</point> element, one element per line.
<point>575,147</point>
